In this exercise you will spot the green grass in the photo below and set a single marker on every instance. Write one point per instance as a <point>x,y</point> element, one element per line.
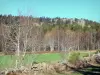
<point>7,61</point>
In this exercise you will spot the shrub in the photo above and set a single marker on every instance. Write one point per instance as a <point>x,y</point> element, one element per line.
<point>98,51</point>
<point>75,56</point>
<point>84,54</point>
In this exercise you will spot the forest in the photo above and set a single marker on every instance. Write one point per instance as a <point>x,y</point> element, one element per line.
<point>47,34</point>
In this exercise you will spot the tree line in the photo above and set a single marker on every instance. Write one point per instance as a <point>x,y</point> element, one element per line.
<point>27,33</point>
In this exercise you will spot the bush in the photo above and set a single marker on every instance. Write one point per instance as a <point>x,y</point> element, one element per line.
<point>74,57</point>
<point>98,51</point>
<point>84,54</point>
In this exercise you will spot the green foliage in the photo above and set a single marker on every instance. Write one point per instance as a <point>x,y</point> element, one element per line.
<point>98,51</point>
<point>76,27</point>
<point>84,54</point>
<point>74,56</point>
<point>47,27</point>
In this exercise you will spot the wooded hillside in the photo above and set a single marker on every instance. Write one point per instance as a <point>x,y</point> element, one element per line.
<point>27,33</point>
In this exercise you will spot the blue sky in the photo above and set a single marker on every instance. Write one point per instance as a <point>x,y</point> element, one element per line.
<point>88,9</point>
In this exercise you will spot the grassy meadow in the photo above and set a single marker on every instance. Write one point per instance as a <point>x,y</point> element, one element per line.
<point>8,61</point>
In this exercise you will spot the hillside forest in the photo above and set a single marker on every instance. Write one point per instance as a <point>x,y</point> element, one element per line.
<point>28,33</point>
